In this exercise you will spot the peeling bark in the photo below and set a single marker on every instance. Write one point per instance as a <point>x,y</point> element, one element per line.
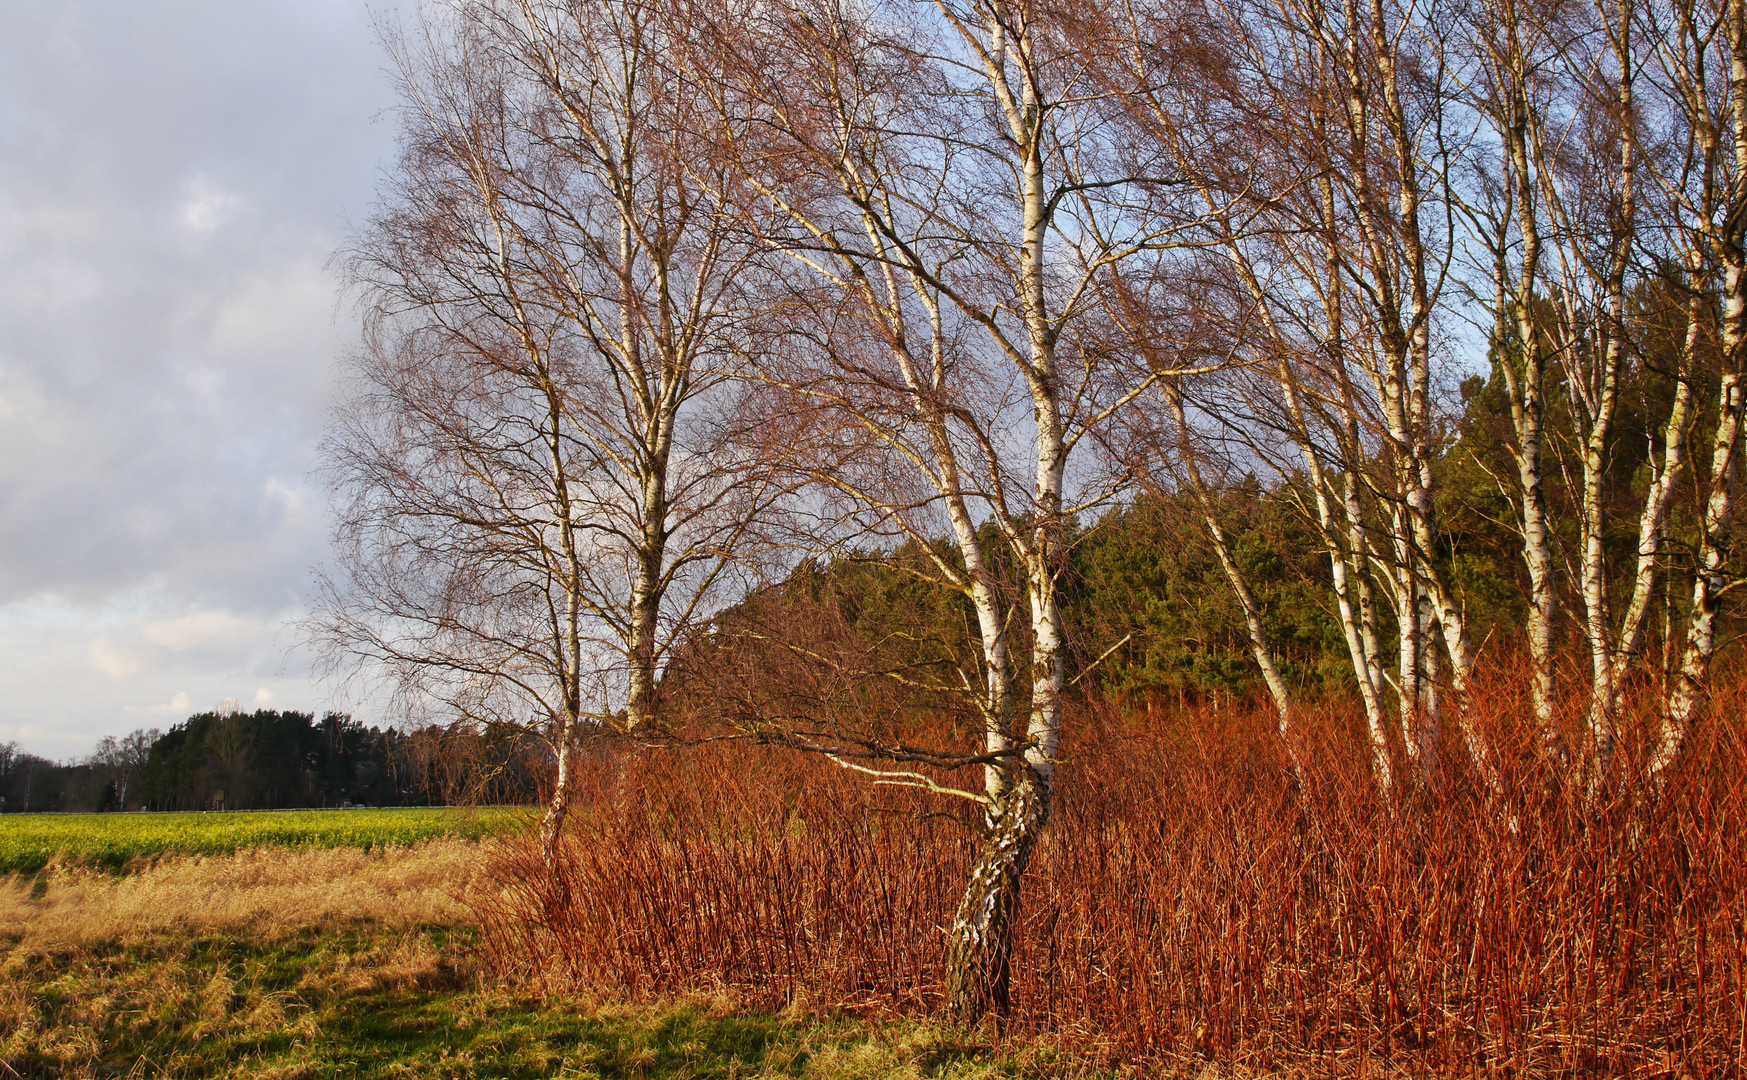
<point>980,941</point>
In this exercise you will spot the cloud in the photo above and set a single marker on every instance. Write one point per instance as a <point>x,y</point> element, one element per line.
<point>174,178</point>
<point>206,207</point>
<point>178,705</point>
<point>116,661</point>
<point>133,665</point>
<point>290,500</point>
<point>202,628</point>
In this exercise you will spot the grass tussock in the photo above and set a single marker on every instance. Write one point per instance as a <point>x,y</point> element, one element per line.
<point>259,890</point>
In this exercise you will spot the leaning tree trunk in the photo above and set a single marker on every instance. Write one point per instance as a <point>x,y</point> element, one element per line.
<point>1701,640</point>
<point>980,945</point>
<point>552,825</point>
<point>1260,646</point>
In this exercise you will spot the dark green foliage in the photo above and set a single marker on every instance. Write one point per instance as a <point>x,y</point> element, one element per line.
<point>1148,573</point>
<point>269,760</point>
<point>1478,482</point>
<point>1143,584</point>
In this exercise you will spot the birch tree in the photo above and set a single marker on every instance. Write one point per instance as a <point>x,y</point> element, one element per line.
<point>1518,54</point>
<point>1341,240</point>
<point>1697,73</point>
<point>1591,333</point>
<point>1388,140</point>
<point>540,477</point>
<point>953,165</point>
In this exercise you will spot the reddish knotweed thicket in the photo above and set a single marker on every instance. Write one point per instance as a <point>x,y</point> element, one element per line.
<point>1190,901</point>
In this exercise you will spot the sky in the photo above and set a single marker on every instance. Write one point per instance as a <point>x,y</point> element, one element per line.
<point>175,177</point>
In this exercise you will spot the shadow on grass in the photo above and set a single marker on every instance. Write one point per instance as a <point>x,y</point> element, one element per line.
<point>364,1003</point>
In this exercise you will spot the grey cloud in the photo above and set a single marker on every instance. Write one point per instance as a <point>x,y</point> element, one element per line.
<point>173,179</point>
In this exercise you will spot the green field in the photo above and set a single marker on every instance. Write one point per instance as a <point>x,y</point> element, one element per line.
<point>28,842</point>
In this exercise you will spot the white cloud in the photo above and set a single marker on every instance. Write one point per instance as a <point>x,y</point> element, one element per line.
<point>13,733</point>
<point>72,672</point>
<point>116,661</point>
<point>206,206</point>
<point>277,490</point>
<point>201,629</point>
<point>178,705</point>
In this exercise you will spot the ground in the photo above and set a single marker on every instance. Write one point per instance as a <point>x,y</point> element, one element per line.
<point>336,961</point>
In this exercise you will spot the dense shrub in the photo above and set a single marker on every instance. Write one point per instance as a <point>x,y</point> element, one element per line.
<point>1190,901</point>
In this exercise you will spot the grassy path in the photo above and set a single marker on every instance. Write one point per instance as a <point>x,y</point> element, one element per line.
<point>375,1004</point>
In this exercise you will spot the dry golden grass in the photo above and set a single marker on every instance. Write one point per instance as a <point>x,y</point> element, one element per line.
<point>65,1008</point>
<point>219,947</point>
<point>258,890</point>
<point>343,963</point>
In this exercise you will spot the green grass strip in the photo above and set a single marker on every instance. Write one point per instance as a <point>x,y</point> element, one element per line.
<point>28,842</point>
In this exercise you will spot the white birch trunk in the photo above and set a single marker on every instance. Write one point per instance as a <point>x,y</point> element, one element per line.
<point>979,942</point>
<point>1260,647</point>
<point>1689,685</point>
<point>1720,232</point>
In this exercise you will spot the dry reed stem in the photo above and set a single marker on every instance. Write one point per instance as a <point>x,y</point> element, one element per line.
<point>1189,904</point>
<point>265,889</point>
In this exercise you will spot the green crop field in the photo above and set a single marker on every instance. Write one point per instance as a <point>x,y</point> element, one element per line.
<point>28,842</point>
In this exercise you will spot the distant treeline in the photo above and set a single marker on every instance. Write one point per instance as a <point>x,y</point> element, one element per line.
<point>270,760</point>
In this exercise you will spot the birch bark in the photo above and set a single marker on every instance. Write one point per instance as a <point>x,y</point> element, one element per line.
<point>1701,64</point>
<point>1260,646</point>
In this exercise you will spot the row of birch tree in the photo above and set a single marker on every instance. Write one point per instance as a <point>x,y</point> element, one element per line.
<point>661,292</point>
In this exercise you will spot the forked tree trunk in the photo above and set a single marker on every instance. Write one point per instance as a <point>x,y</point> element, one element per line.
<point>979,947</point>
<point>1612,654</point>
